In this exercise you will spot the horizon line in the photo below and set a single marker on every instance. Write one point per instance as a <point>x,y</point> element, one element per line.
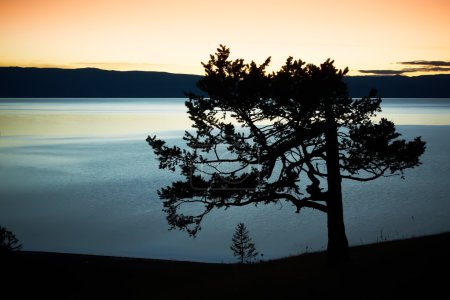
<point>362,74</point>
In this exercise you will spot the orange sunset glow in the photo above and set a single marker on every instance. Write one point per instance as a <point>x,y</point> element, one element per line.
<point>176,35</point>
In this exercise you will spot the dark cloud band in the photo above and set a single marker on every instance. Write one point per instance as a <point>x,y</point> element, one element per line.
<point>418,66</point>
<point>435,63</point>
<point>382,72</point>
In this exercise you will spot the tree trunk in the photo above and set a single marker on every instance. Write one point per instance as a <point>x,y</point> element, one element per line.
<point>337,240</point>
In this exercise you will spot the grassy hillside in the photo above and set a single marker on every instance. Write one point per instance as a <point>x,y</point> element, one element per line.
<point>414,267</point>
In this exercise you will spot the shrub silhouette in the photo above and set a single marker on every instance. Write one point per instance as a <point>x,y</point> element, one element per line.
<point>8,241</point>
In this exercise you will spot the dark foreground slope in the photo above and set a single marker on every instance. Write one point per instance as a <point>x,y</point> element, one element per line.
<point>400,269</point>
<point>96,83</point>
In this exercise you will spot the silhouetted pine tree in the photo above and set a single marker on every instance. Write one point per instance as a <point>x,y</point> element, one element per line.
<point>290,136</point>
<point>243,247</point>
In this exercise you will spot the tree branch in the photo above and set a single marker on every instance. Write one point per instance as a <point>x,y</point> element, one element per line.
<point>302,203</point>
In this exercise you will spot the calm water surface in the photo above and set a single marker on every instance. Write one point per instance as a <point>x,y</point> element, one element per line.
<point>76,175</point>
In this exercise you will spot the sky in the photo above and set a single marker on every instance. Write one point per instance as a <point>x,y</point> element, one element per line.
<point>408,37</point>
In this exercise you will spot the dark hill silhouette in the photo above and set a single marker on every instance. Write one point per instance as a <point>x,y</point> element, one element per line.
<point>426,86</point>
<point>95,83</point>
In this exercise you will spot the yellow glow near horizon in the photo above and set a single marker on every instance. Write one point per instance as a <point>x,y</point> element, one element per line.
<point>176,35</point>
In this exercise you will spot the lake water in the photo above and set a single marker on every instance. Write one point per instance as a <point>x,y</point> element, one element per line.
<point>76,175</point>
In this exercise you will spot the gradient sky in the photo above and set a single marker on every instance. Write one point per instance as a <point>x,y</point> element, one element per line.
<point>176,35</point>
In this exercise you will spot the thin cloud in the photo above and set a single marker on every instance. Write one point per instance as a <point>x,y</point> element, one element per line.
<point>435,63</point>
<point>426,69</point>
<point>120,64</point>
<point>426,66</point>
<point>382,72</point>
<point>437,69</point>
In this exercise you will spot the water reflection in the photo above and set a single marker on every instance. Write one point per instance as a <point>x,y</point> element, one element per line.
<point>119,117</point>
<point>62,188</point>
<point>419,111</point>
<point>101,117</point>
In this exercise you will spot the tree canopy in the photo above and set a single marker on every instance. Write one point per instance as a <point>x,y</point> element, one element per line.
<point>290,135</point>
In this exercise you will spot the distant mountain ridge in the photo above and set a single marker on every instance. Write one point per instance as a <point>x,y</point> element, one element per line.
<point>18,82</point>
<point>92,83</point>
<point>425,86</point>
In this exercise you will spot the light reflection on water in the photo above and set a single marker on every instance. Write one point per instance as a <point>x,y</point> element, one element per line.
<point>432,111</point>
<point>101,117</point>
<point>118,117</point>
<point>78,176</point>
